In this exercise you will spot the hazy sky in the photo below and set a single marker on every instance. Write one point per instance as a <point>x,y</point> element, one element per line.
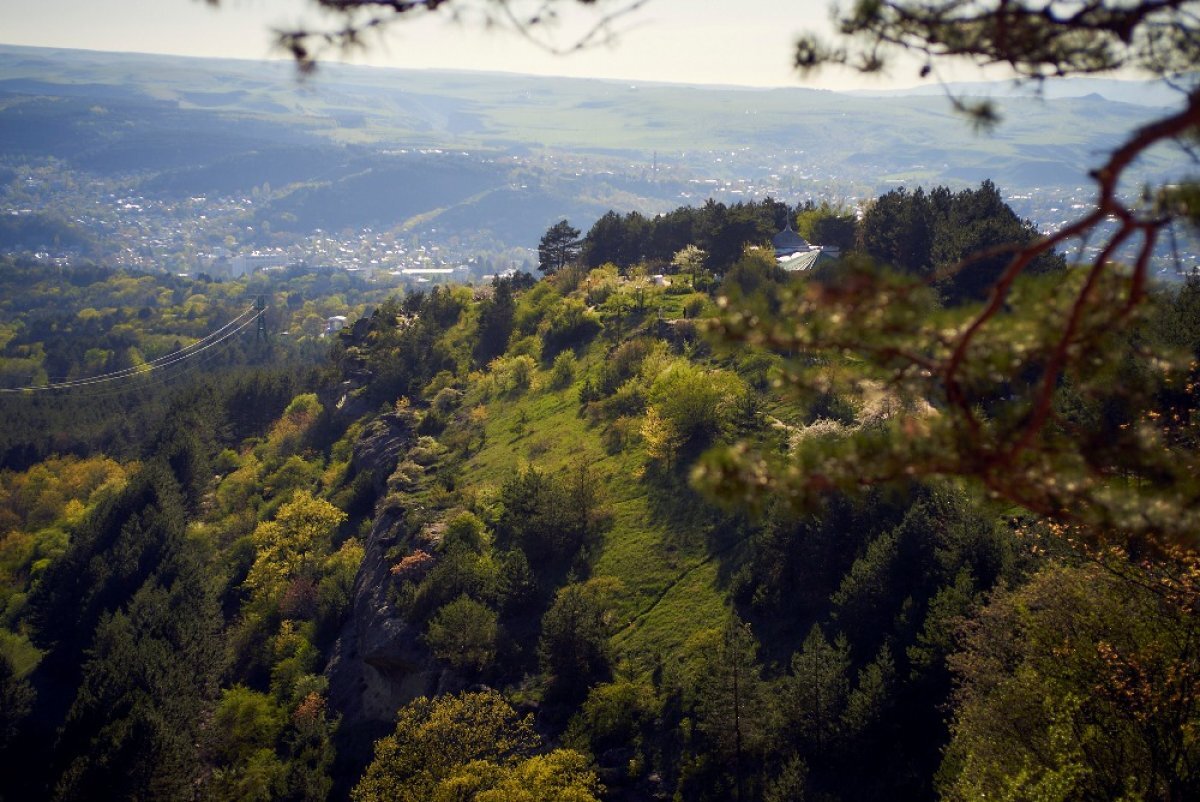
<point>746,42</point>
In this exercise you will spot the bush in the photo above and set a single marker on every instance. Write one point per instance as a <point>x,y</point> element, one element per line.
<point>513,374</point>
<point>695,305</point>
<point>574,648</point>
<point>446,401</point>
<point>436,737</point>
<point>554,521</point>
<point>405,477</point>
<point>426,451</point>
<point>458,573</point>
<point>465,531</point>
<point>463,633</point>
<point>529,346</point>
<point>521,371</point>
<point>533,307</point>
<point>696,403</point>
<point>570,326</point>
<point>563,371</point>
<point>615,714</point>
<point>567,280</point>
<point>600,284</point>
<point>629,399</point>
<point>626,360</point>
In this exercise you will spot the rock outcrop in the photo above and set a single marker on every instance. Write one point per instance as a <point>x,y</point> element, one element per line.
<point>379,661</point>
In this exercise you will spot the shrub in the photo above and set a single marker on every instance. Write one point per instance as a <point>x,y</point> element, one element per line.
<point>614,715</point>
<point>553,520</point>
<point>458,573</point>
<point>434,738</point>
<point>521,370</point>
<point>426,452</point>
<point>513,374</point>
<point>756,369</point>
<point>571,325</point>
<point>533,307</point>
<point>405,477</point>
<point>695,403</point>
<point>463,633</point>
<point>574,648</point>
<point>446,400</point>
<point>567,280</point>
<point>626,359</point>
<point>601,283</point>
<point>563,371</point>
<point>529,346</point>
<point>694,306</point>
<point>464,531</point>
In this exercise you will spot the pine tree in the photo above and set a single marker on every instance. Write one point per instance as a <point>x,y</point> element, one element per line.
<point>559,247</point>
<point>732,708</point>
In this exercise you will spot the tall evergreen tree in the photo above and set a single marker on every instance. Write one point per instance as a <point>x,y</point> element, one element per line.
<point>559,247</point>
<point>152,671</point>
<point>732,708</point>
<point>130,622</point>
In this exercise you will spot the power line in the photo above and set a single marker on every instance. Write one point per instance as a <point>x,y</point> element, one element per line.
<point>64,382</point>
<point>242,321</point>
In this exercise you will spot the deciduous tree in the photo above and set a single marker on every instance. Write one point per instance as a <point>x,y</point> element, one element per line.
<point>294,544</point>
<point>435,738</point>
<point>463,633</point>
<point>1083,684</point>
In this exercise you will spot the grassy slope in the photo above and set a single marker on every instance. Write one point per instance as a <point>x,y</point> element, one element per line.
<point>671,584</point>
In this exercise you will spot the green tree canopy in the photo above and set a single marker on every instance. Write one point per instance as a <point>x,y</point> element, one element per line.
<point>574,648</point>
<point>558,247</point>
<point>294,544</point>
<point>463,633</point>
<point>1082,684</point>
<point>436,738</point>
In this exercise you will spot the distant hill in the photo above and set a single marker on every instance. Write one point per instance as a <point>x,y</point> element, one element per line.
<point>358,144</point>
<point>1155,94</point>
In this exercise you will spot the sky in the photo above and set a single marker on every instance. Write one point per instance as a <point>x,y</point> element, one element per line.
<point>741,42</point>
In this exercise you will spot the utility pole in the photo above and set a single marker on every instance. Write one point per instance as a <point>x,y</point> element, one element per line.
<point>260,306</point>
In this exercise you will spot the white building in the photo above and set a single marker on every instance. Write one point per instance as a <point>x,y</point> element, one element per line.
<point>335,324</point>
<point>245,263</point>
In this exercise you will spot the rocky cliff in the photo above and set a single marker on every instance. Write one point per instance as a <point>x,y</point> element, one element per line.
<point>379,661</point>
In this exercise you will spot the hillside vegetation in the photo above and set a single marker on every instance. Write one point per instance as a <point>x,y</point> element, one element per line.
<point>487,543</point>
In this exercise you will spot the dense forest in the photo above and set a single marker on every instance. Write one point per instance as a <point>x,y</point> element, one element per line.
<point>667,522</point>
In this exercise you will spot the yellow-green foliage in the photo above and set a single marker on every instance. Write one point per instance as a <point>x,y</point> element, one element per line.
<point>243,722</point>
<point>661,437</point>
<point>601,283</point>
<point>463,633</point>
<point>1074,685</point>
<point>671,587</point>
<point>434,739</point>
<point>560,776</point>
<point>570,325</point>
<point>293,544</point>
<point>563,371</point>
<point>37,509</point>
<point>289,431</point>
<point>613,715</point>
<point>296,661</point>
<point>240,493</point>
<point>532,307</point>
<point>464,531</point>
<point>694,403</point>
<point>513,374</point>
<point>40,495</point>
<point>471,748</point>
<point>337,581</point>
